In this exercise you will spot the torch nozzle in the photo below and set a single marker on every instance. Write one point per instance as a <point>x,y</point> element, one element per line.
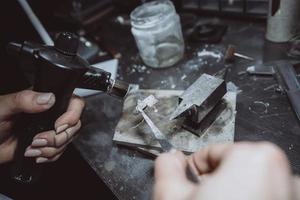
<point>118,88</point>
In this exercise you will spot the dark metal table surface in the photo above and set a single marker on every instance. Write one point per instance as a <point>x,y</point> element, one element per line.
<point>262,114</point>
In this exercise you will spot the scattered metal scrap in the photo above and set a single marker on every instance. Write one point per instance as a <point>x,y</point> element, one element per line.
<point>287,79</point>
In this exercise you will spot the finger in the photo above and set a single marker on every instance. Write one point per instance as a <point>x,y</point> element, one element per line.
<point>7,150</point>
<point>67,135</point>
<point>71,116</point>
<point>51,139</point>
<point>5,127</point>
<point>170,177</point>
<point>46,138</point>
<point>296,188</point>
<point>25,101</point>
<point>47,152</point>
<point>47,160</point>
<point>205,161</point>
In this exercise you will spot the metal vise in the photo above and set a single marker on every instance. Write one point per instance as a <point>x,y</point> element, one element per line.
<point>201,104</point>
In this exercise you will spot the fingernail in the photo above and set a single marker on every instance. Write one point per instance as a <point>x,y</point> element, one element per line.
<point>202,177</point>
<point>173,151</point>
<point>45,98</point>
<point>32,153</point>
<point>39,142</point>
<point>61,128</point>
<point>41,160</point>
<point>70,130</point>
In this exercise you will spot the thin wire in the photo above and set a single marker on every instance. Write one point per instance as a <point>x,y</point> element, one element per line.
<point>138,124</point>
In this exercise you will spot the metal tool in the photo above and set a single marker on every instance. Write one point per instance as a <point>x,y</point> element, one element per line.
<point>288,80</point>
<point>149,102</point>
<point>286,77</point>
<point>159,136</point>
<point>231,53</point>
<point>36,23</point>
<point>201,103</point>
<point>262,69</point>
<point>57,69</point>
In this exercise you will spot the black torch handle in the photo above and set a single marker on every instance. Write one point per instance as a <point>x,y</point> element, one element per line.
<point>26,170</point>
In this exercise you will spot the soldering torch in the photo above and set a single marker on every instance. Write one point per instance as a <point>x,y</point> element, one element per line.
<point>57,69</point>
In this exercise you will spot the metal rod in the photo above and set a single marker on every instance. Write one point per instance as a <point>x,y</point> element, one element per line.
<point>36,23</point>
<point>243,56</point>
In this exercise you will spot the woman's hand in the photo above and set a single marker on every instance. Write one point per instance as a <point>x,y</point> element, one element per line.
<point>46,146</point>
<point>245,171</point>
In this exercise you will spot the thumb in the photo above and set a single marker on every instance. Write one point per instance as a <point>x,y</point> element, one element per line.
<point>170,177</point>
<point>25,101</point>
<point>296,187</point>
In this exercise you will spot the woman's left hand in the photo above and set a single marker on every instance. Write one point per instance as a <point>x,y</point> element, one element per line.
<point>46,146</point>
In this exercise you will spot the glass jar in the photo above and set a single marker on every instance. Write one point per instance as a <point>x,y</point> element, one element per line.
<point>157,31</point>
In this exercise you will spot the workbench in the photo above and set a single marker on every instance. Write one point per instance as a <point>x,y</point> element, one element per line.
<point>262,114</point>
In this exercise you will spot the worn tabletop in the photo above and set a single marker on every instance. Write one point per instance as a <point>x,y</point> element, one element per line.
<point>262,114</point>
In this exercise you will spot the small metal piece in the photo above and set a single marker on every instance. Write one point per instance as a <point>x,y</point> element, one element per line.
<point>261,69</point>
<point>148,102</point>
